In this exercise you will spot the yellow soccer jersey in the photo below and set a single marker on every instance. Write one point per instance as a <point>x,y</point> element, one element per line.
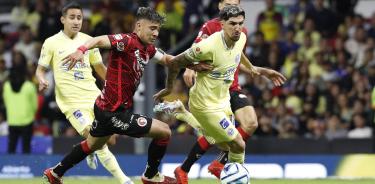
<point>74,88</point>
<point>211,89</point>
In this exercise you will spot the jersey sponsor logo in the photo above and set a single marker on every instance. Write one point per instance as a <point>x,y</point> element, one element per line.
<point>230,131</point>
<point>79,116</point>
<point>78,75</point>
<point>224,123</point>
<point>119,124</point>
<point>117,36</point>
<point>141,121</point>
<point>120,46</point>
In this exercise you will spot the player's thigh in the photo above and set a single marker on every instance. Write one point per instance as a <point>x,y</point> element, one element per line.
<point>216,125</point>
<point>81,120</point>
<point>246,116</point>
<point>159,129</point>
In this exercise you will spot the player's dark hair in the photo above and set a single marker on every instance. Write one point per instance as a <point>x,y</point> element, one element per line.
<point>70,5</point>
<point>231,11</point>
<point>150,14</point>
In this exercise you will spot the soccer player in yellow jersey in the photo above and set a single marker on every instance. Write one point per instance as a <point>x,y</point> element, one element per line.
<point>75,89</point>
<point>209,97</point>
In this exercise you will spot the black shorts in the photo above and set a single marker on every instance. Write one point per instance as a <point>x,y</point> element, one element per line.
<point>122,122</point>
<point>238,100</point>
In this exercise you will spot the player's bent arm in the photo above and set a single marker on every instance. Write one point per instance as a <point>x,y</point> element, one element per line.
<point>101,70</point>
<point>174,66</point>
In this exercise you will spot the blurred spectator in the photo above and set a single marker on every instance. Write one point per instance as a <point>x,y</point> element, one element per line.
<point>326,26</point>
<point>343,8</point>
<point>270,22</point>
<point>308,29</point>
<point>371,31</point>
<point>356,46</point>
<point>6,55</point>
<point>3,125</point>
<point>259,50</point>
<point>316,128</point>
<point>307,51</point>
<point>20,12</point>
<point>265,128</point>
<point>288,44</point>
<point>21,103</point>
<point>50,22</point>
<point>360,130</point>
<point>335,129</point>
<point>26,44</point>
<point>34,16</point>
<point>171,30</point>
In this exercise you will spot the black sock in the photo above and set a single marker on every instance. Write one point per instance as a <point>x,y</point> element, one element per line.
<point>156,151</point>
<point>223,157</point>
<point>195,154</point>
<point>74,157</point>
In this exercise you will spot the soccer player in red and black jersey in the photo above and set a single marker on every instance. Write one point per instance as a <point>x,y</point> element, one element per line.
<point>243,111</point>
<point>129,55</point>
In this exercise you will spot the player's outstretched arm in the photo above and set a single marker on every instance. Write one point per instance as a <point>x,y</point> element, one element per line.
<point>96,42</point>
<point>277,78</point>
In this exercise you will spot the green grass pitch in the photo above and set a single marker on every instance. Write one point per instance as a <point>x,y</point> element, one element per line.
<point>77,180</point>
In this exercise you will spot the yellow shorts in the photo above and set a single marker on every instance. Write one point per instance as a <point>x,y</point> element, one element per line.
<point>80,118</point>
<point>216,125</point>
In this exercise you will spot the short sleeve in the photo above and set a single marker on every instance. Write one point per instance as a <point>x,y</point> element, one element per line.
<point>46,55</point>
<point>95,57</point>
<point>157,54</point>
<point>200,51</point>
<point>119,42</point>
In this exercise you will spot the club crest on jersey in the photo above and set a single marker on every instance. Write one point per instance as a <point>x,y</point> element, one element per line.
<point>141,121</point>
<point>120,46</point>
<point>224,123</point>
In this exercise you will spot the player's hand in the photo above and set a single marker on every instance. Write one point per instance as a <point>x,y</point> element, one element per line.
<point>162,93</point>
<point>72,59</point>
<point>43,85</point>
<point>277,78</point>
<point>189,77</point>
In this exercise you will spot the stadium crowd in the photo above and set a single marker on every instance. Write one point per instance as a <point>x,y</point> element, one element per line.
<point>329,62</point>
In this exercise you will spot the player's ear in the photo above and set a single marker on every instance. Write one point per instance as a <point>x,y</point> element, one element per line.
<point>62,19</point>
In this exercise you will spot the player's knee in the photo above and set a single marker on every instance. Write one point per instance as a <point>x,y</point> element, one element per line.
<point>238,146</point>
<point>165,131</point>
<point>249,122</point>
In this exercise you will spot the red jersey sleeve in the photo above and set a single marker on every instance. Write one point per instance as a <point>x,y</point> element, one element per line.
<point>119,42</point>
<point>204,32</point>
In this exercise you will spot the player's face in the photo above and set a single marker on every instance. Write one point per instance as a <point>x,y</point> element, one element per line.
<point>228,3</point>
<point>233,27</point>
<point>148,31</point>
<point>72,21</point>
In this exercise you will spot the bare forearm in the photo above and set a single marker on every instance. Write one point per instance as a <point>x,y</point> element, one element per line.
<point>98,42</point>
<point>40,73</point>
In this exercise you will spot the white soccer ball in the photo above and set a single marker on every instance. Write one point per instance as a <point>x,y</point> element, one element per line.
<point>234,173</point>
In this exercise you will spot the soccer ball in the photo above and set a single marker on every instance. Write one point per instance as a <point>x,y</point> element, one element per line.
<point>234,173</point>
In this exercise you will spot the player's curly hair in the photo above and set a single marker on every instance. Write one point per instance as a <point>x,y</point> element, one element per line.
<point>231,11</point>
<point>149,14</point>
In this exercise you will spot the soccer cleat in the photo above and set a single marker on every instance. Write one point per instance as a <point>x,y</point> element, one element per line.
<point>215,168</point>
<point>91,160</point>
<point>181,176</point>
<point>50,178</point>
<point>158,179</point>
